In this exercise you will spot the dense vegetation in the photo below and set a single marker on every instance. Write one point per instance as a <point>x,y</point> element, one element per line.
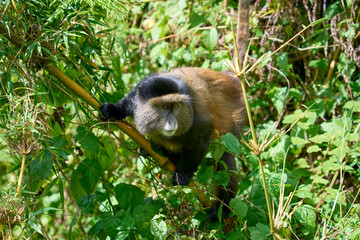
<point>83,179</point>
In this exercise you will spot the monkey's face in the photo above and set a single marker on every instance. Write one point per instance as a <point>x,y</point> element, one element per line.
<point>169,115</point>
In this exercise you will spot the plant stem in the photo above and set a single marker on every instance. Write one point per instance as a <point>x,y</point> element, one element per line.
<point>254,139</point>
<point>267,196</point>
<point>22,167</point>
<point>248,112</point>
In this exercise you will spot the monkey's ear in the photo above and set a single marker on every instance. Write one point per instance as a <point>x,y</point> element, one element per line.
<point>111,111</point>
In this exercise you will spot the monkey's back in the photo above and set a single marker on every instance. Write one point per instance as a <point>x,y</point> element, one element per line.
<point>217,96</point>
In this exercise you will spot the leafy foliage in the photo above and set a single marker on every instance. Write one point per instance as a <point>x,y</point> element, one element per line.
<point>83,179</point>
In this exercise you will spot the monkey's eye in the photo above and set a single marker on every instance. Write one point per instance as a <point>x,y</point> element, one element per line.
<point>176,106</point>
<point>165,107</point>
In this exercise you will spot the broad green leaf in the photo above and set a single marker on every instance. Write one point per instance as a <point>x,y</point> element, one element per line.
<point>330,165</point>
<point>210,38</point>
<point>278,97</point>
<point>40,167</point>
<point>231,143</point>
<point>292,117</point>
<point>314,148</point>
<point>302,163</point>
<point>217,150</point>
<point>298,141</point>
<point>196,20</point>
<point>353,105</point>
<point>86,204</point>
<point>204,174</point>
<point>326,137</point>
<point>335,127</point>
<point>240,207</point>
<point>340,152</point>
<point>222,177</point>
<point>88,141</point>
<point>318,179</point>
<point>307,216</point>
<point>142,216</point>
<point>255,216</point>
<point>157,32</point>
<point>175,7</point>
<point>260,232</point>
<point>158,229</point>
<point>273,182</point>
<point>304,191</point>
<point>89,172</point>
<point>128,195</point>
<point>317,108</point>
<point>111,225</point>
<point>96,228</point>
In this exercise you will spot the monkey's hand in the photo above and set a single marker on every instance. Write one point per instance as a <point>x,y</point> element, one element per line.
<point>180,178</point>
<point>112,111</point>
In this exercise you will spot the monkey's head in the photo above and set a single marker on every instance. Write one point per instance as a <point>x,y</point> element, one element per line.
<point>169,115</point>
<point>163,107</point>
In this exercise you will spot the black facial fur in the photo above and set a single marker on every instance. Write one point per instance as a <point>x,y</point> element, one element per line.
<point>156,86</point>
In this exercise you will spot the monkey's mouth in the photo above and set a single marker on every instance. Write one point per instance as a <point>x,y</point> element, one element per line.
<point>168,133</point>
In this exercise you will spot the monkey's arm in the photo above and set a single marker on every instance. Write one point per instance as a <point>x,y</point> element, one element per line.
<point>120,110</point>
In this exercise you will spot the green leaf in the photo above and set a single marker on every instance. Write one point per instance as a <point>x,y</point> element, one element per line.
<point>314,148</point>
<point>86,203</point>
<point>128,195</point>
<point>292,117</point>
<point>222,177</point>
<point>301,163</point>
<point>298,141</point>
<point>353,105</point>
<point>318,179</point>
<point>88,141</point>
<point>317,108</point>
<point>278,97</point>
<point>204,174</point>
<point>197,20</point>
<point>112,225</point>
<point>40,167</point>
<point>335,127</point>
<point>210,38</point>
<point>283,62</point>
<point>330,165</point>
<point>73,221</point>
<point>273,182</point>
<point>175,7</point>
<point>326,137</point>
<point>240,207</point>
<point>217,150</point>
<point>157,32</point>
<point>76,189</point>
<point>260,232</point>
<point>158,229</point>
<point>307,216</point>
<point>231,143</point>
<point>89,172</point>
<point>43,210</point>
<point>95,230</point>
<point>304,191</point>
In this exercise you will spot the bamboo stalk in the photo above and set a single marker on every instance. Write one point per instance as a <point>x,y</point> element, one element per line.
<point>21,175</point>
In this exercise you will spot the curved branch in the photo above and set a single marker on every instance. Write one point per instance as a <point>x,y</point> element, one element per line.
<point>124,126</point>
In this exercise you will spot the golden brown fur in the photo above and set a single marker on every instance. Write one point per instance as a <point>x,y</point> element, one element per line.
<point>217,96</point>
